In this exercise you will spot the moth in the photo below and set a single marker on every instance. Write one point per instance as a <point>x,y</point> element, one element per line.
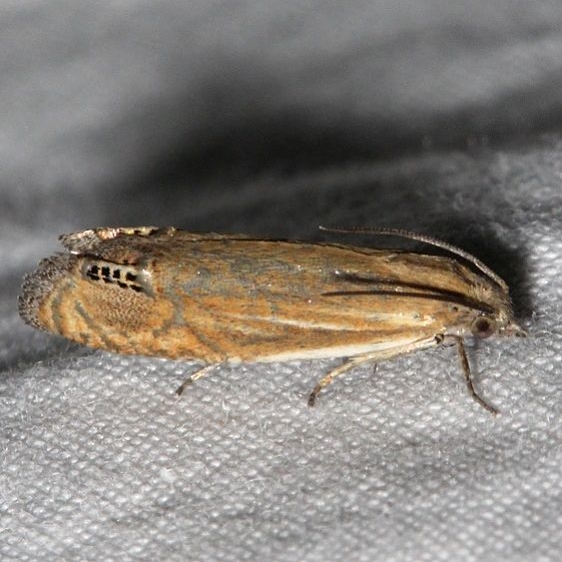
<point>217,298</point>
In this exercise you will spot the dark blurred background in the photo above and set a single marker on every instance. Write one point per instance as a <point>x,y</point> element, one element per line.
<point>266,117</point>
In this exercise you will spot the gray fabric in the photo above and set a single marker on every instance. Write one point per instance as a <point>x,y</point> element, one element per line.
<point>271,118</point>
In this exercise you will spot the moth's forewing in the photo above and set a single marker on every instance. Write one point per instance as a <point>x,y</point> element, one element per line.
<point>227,298</point>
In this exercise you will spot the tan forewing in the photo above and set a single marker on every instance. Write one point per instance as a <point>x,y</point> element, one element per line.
<point>250,298</point>
<point>219,298</point>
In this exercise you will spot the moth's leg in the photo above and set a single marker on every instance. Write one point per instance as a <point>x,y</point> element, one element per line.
<point>468,376</point>
<point>327,379</point>
<point>194,377</point>
<point>371,357</point>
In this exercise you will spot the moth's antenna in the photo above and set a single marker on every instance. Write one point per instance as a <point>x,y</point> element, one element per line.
<point>400,233</point>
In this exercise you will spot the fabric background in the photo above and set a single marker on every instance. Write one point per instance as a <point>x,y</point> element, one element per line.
<point>272,118</point>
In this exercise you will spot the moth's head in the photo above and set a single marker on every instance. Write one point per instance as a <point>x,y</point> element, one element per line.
<point>498,320</point>
<point>488,325</point>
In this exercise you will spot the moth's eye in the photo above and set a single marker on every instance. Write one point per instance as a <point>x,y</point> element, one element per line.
<point>483,327</point>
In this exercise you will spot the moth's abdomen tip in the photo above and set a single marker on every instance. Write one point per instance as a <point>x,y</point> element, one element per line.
<point>39,284</point>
